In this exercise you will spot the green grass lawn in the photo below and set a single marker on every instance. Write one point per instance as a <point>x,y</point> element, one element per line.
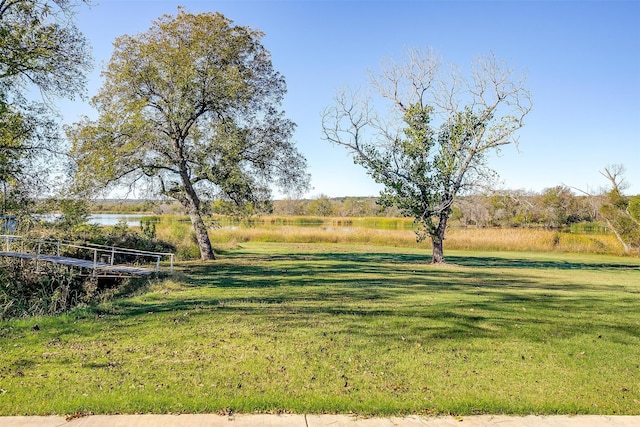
<point>312,328</point>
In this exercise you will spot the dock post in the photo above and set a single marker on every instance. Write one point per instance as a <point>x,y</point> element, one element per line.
<point>38,257</point>
<point>95,261</point>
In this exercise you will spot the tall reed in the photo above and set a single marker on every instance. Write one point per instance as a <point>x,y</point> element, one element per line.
<point>378,231</point>
<point>466,239</point>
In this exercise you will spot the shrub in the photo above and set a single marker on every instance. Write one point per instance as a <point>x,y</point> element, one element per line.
<point>125,238</point>
<point>45,290</point>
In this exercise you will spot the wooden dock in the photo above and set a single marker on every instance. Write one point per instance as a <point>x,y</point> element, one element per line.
<point>105,261</point>
<point>101,268</point>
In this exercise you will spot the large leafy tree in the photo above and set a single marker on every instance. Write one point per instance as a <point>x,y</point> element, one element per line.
<point>190,109</point>
<point>433,143</point>
<point>42,52</point>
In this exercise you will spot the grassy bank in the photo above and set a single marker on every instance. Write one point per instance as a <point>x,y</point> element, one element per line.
<point>290,327</point>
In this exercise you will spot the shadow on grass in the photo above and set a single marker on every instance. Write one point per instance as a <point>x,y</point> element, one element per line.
<point>466,261</point>
<point>537,264</point>
<point>360,292</point>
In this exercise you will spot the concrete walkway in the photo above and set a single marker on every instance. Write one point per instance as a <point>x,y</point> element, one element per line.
<point>201,420</point>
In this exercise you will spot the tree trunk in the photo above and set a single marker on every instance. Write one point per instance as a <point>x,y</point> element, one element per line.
<point>437,239</point>
<point>438,254</point>
<point>625,246</point>
<point>202,236</point>
<point>191,203</point>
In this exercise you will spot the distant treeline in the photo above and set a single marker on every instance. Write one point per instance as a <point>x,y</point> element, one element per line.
<point>556,207</point>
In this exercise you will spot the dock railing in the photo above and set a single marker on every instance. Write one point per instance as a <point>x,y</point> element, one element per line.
<point>99,255</point>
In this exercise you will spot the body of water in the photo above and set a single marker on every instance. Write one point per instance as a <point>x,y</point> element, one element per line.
<point>132,220</point>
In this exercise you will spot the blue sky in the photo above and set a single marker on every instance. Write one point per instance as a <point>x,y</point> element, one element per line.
<point>582,59</point>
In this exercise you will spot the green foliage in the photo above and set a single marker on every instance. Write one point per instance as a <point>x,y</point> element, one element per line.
<point>41,51</point>
<point>27,291</point>
<point>424,172</point>
<point>31,289</point>
<point>27,133</point>
<point>634,207</point>
<point>321,206</point>
<point>621,214</point>
<point>148,229</point>
<point>561,207</point>
<point>42,46</point>
<point>75,213</point>
<point>425,169</point>
<point>13,135</point>
<point>122,236</point>
<point>192,107</point>
<point>617,200</point>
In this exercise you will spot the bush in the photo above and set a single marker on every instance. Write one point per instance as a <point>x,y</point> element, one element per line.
<point>50,289</point>
<point>27,291</point>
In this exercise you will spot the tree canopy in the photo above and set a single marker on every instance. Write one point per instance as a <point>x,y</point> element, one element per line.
<point>190,110</point>
<point>41,51</point>
<point>433,143</point>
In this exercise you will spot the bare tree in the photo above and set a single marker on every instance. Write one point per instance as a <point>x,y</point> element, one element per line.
<point>433,142</point>
<point>615,175</point>
<point>621,213</point>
